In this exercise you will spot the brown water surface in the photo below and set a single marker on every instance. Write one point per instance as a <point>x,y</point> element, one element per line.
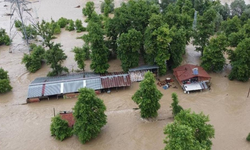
<point>26,127</point>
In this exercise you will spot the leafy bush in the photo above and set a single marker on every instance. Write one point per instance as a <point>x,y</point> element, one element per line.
<point>176,108</point>
<point>79,27</point>
<point>54,26</point>
<point>62,22</point>
<point>18,23</point>
<point>79,57</point>
<point>59,128</point>
<point>30,32</point>
<point>4,38</point>
<point>248,137</point>
<point>4,81</point>
<point>71,26</point>
<point>107,7</point>
<point>33,62</point>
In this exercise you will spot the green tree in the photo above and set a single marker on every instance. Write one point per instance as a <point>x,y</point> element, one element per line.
<point>248,137</point>
<point>231,25</point>
<point>4,38</point>
<point>148,96</point>
<point>4,81</point>
<point>128,49</point>
<point>240,61</point>
<point>238,7</point>
<point>107,7</point>
<point>205,29</point>
<point>79,27</point>
<point>79,57</point>
<point>54,57</point>
<point>88,10</point>
<point>60,128</point>
<point>70,26</point>
<point>33,62</point>
<point>213,59</point>
<point>99,51</point>
<point>189,131</point>
<point>89,115</point>
<point>176,108</point>
<point>62,22</point>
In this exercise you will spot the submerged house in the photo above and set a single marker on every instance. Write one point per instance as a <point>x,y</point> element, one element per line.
<point>192,78</point>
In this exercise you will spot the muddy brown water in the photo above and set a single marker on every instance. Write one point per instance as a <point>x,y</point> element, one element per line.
<point>26,127</point>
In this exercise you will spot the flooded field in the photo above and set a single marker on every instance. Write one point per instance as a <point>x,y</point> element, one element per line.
<point>26,126</point>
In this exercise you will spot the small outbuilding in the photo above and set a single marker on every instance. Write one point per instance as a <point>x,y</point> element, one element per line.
<point>192,78</point>
<point>137,74</point>
<point>68,116</point>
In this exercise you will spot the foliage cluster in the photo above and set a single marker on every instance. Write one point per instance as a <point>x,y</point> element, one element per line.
<point>189,131</point>
<point>248,137</point>
<point>59,128</point>
<point>89,115</point>
<point>33,62</point>
<point>4,81</point>
<point>107,7</point>
<point>176,108</point>
<point>147,97</point>
<point>4,38</point>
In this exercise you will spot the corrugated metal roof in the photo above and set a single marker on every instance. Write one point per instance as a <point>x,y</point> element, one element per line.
<point>73,86</point>
<point>94,83</point>
<point>35,91</point>
<point>144,67</point>
<point>52,89</point>
<point>115,81</point>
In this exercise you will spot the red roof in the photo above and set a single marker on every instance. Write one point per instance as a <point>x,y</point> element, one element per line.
<point>68,116</point>
<point>115,80</point>
<point>185,72</point>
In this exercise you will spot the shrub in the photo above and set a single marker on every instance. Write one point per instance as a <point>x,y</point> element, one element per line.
<point>18,23</point>
<point>79,27</point>
<point>4,38</point>
<point>55,27</point>
<point>4,81</point>
<point>71,26</point>
<point>30,32</point>
<point>33,62</point>
<point>62,22</point>
<point>248,137</point>
<point>107,6</point>
<point>59,128</point>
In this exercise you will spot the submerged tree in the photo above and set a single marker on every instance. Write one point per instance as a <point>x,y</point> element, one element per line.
<point>60,128</point>
<point>54,57</point>
<point>148,96</point>
<point>4,81</point>
<point>189,131</point>
<point>213,58</point>
<point>128,49</point>
<point>79,57</point>
<point>107,7</point>
<point>88,10</point>
<point>240,61</point>
<point>89,115</point>
<point>4,38</point>
<point>33,62</point>
<point>205,29</point>
<point>176,108</point>
<point>238,7</point>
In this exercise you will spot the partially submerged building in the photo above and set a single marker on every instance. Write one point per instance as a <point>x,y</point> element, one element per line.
<point>192,78</point>
<point>68,86</point>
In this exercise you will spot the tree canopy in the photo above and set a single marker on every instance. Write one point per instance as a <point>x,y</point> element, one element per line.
<point>176,108</point>
<point>59,128</point>
<point>4,81</point>
<point>148,96</point>
<point>89,115</point>
<point>4,38</point>
<point>189,131</point>
<point>79,57</point>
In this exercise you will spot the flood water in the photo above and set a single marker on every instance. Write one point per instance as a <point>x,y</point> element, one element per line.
<point>27,126</point>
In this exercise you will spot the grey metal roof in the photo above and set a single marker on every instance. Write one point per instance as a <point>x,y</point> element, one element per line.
<point>144,67</point>
<point>52,89</point>
<point>94,83</point>
<point>72,86</point>
<point>35,91</point>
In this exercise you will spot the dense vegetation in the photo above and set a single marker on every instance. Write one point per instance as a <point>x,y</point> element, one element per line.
<point>4,81</point>
<point>189,131</point>
<point>148,96</point>
<point>176,108</point>
<point>89,115</point>
<point>4,38</point>
<point>59,128</point>
<point>33,61</point>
